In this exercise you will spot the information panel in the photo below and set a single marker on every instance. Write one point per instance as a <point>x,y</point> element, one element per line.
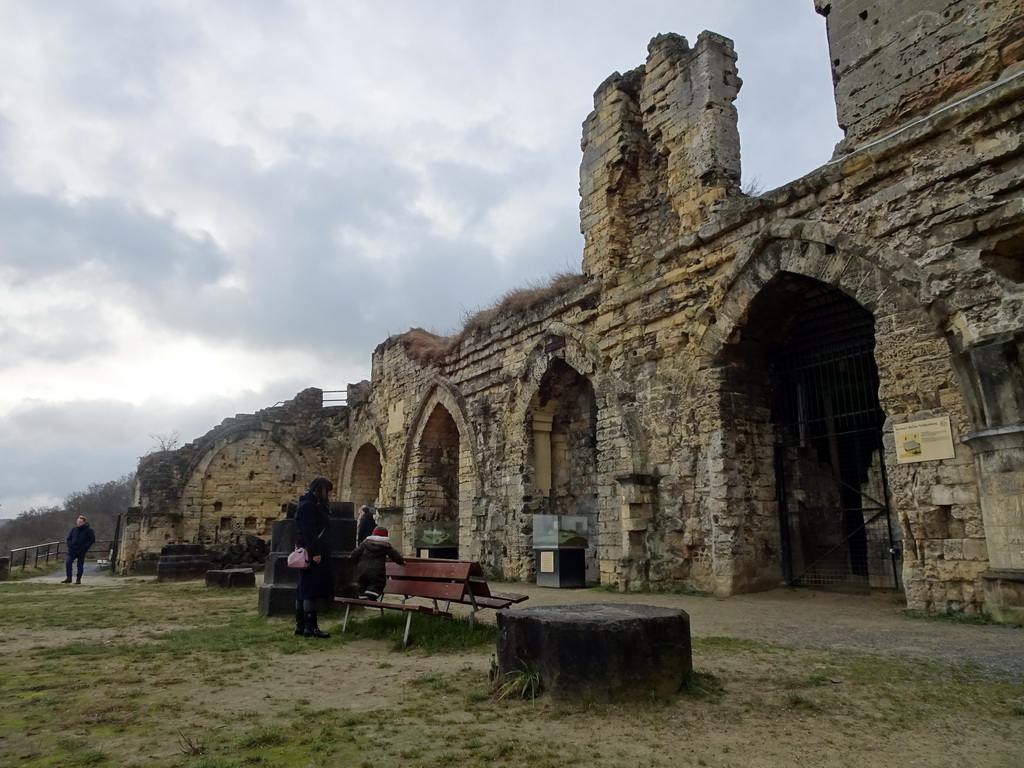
<point>928,440</point>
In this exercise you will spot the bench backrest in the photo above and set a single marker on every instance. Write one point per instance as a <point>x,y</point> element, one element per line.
<point>436,579</point>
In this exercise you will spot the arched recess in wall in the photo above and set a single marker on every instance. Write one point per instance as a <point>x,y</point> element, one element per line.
<point>440,475</point>
<point>363,469</point>
<point>555,413</point>
<point>240,484</point>
<point>364,476</point>
<point>810,344</point>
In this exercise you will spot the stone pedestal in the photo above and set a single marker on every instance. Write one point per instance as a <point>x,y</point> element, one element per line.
<point>277,593</point>
<point>598,652</point>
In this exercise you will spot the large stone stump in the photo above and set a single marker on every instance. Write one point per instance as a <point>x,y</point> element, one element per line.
<point>598,652</point>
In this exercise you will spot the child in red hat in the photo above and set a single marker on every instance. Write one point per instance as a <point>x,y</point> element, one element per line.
<point>371,569</point>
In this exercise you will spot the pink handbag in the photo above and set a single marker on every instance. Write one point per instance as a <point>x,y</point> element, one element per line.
<point>298,559</point>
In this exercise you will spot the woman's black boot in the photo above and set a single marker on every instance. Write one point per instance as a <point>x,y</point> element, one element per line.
<point>300,621</point>
<point>312,630</point>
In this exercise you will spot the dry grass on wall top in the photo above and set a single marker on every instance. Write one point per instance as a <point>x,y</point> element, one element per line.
<point>427,348</point>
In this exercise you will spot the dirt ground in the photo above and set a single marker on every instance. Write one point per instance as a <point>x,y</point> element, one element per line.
<point>766,719</point>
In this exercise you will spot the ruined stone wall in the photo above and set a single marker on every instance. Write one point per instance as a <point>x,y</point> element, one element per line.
<point>893,62</point>
<point>654,375</point>
<point>235,479</point>
<point>653,133</point>
<point>912,228</point>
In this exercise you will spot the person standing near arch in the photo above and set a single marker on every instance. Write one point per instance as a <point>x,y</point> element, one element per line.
<point>366,523</point>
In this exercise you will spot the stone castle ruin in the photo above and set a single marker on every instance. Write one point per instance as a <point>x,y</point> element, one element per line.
<point>818,385</point>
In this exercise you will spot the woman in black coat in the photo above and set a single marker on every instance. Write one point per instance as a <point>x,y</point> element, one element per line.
<point>313,533</point>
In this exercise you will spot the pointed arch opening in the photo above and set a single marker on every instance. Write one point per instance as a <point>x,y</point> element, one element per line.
<point>803,387</point>
<point>366,474</point>
<point>434,485</point>
<point>562,423</point>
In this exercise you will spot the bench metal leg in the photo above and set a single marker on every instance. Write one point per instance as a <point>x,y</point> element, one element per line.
<point>344,624</point>
<point>408,621</point>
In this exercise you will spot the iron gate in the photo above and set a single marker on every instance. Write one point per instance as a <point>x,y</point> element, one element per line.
<point>835,523</point>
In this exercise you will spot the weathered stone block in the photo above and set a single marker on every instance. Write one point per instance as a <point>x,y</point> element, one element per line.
<point>231,578</point>
<point>598,652</point>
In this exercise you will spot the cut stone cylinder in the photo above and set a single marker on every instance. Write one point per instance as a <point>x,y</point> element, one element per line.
<point>596,651</point>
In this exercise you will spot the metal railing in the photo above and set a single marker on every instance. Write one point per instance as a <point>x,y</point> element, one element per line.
<point>24,557</point>
<point>335,397</point>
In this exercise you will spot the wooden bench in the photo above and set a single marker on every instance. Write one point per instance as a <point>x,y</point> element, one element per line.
<point>451,581</point>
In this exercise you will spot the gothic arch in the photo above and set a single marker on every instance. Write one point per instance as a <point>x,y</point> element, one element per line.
<point>874,276</point>
<point>584,356</point>
<point>894,291</point>
<point>200,508</point>
<point>372,436</point>
<point>442,393</point>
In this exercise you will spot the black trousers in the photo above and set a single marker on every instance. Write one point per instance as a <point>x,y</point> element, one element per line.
<point>81,564</point>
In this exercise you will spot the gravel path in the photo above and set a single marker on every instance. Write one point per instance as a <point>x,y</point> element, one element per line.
<point>804,618</point>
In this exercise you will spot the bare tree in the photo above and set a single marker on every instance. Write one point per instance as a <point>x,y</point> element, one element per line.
<point>166,442</point>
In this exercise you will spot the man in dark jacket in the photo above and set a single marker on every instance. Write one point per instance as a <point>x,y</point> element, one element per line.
<point>365,525</point>
<point>79,540</point>
<point>371,568</point>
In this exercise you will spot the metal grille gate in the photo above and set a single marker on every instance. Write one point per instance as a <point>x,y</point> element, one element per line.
<point>835,524</point>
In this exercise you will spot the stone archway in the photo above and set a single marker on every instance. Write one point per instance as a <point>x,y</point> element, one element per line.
<point>916,379</point>
<point>624,489</point>
<point>240,485</point>
<point>440,471</point>
<point>802,374</point>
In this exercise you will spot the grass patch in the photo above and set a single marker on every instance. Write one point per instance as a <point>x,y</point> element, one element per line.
<point>954,617</point>
<point>705,686</point>
<point>428,633</point>
<point>201,680</point>
<point>524,683</point>
<point>29,572</point>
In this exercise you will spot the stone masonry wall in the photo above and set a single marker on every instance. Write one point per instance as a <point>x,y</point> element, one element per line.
<point>893,62</point>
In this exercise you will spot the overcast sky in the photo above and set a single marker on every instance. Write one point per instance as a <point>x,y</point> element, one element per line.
<point>206,207</point>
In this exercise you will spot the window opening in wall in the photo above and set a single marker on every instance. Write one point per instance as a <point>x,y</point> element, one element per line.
<point>835,522</point>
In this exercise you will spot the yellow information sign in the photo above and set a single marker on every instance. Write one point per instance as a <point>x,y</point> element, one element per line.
<point>928,440</point>
<point>547,562</point>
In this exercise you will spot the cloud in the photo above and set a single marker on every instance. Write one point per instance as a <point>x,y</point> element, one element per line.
<point>206,207</point>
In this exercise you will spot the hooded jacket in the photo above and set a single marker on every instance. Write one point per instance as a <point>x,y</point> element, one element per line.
<point>80,539</point>
<point>371,557</point>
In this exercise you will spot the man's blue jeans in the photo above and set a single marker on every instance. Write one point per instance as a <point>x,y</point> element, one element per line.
<point>81,564</point>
